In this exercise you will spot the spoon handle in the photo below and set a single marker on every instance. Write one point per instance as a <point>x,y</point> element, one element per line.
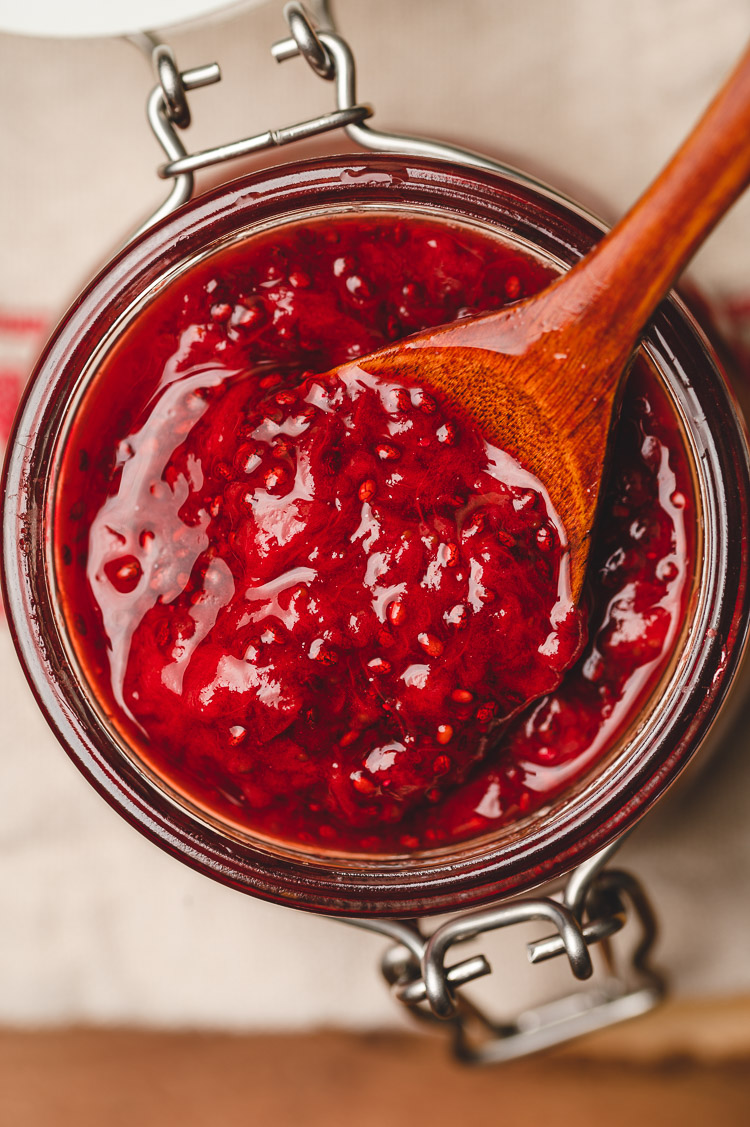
<point>634,266</point>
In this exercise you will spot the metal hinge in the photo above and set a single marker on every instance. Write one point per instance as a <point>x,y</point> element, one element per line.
<point>596,904</point>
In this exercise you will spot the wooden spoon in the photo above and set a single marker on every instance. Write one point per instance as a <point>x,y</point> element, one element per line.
<point>542,377</point>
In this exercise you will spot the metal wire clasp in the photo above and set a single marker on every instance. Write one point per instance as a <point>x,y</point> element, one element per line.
<point>329,56</point>
<point>596,904</point>
<point>168,109</point>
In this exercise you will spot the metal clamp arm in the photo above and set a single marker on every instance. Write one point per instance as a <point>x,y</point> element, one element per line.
<point>595,905</point>
<point>330,57</point>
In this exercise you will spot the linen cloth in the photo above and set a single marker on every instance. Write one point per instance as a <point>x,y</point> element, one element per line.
<point>98,924</point>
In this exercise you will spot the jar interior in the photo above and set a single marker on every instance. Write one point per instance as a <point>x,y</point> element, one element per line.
<point>625,739</point>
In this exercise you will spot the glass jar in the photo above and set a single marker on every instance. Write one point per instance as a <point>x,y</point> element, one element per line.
<point>627,780</point>
<point>659,742</point>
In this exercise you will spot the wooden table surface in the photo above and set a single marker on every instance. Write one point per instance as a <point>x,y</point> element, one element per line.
<point>686,1066</point>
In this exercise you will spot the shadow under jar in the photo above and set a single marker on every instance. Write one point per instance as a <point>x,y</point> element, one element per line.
<point>565,777</point>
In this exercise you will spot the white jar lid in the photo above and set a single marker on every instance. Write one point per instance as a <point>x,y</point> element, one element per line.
<point>104,17</point>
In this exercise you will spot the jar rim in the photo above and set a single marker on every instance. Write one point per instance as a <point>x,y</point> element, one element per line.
<point>468,874</point>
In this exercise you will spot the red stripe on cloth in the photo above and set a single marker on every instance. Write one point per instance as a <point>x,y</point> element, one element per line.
<point>22,323</point>
<point>11,386</point>
<point>21,337</point>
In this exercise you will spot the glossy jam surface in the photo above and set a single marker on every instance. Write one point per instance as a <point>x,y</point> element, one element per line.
<point>318,606</point>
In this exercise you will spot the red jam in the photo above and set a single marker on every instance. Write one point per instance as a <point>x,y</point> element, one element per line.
<point>321,606</point>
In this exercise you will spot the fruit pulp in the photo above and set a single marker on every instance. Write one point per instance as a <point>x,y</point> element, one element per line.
<point>319,608</point>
